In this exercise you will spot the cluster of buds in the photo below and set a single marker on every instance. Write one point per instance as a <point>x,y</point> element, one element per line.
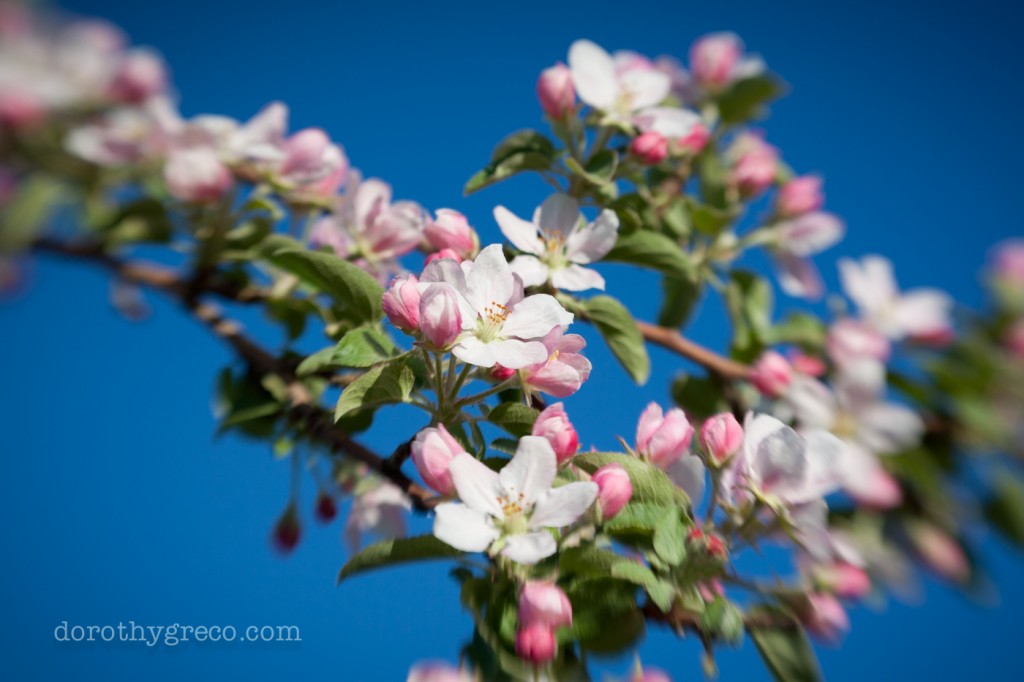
<point>543,607</point>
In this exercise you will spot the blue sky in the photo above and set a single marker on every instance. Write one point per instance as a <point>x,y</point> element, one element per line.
<point>121,505</point>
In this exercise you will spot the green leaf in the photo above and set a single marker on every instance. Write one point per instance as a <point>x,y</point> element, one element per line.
<point>722,619</point>
<point>1005,510</point>
<point>515,418</point>
<point>710,220</point>
<point>598,602</point>
<point>599,171</point>
<point>397,551</point>
<point>745,99</point>
<point>505,445</point>
<point>387,383</point>
<point>524,150</point>
<point>680,297</point>
<point>676,218</point>
<point>24,216</point>
<point>619,330</point>
<point>699,396</point>
<point>801,329</point>
<point>361,347</point>
<point>650,484</point>
<point>670,538</point>
<point>637,518</point>
<point>786,652</point>
<point>749,300</point>
<point>651,250</point>
<point>351,288</point>
<point>588,561</point>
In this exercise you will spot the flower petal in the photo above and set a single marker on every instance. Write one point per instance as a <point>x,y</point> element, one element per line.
<point>490,280</point>
<point>516,354</point>
<point>670,122</point>
<point>476,484</point>
<point>529,548</point>
<point>521,233</point>
<point>593,241</point>
<point>687,472</point>
<point>463,528</point>
<point>535,316</point>
<point>593,74</point>
<point>810,233</point>
<point>531,471</point>
<point>798,277</point>
<point>561,506</point>
<point>474,351</point>
<point>530,269</point>
<point>646,87</point>
<point>559,212</point>
<point>577,278</point>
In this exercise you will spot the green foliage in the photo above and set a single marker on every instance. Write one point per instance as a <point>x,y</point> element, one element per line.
<point>525,150</point>
<point>650,484</point>
<point>723,620</point>
<point>357,294</point>
<point>618,328</point>
<point>745,99</point>
<point>24,216</point>
<point>1005,509</point>
<point>670,538</point>
<point>699,396</point>
<point>397,551</point>
<point>360,347</point>
<point>385,384</point>
<point>750,302</point>
<point>785,651</point>
<point>515,418</point>
<point>651,250</point>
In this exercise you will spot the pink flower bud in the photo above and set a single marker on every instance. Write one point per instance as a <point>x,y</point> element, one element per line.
<point>440,316</point>
<point>554,425</point>
<point>651,675</point>
<point>614,489</point>
<point>694,141</point>
<point>451,231</point>
<point>20,109</point>
<point>807,365</point>
<point>850,340</point>
<point>663,438</point>
<point>196,176</point>
<point>755,171</point>
<point>544,603</point>
<point>555,91</point>
<point>721,436</point>
<point>800,195</point>
<point>402,303</point>
<point>1008,262</point>
<point>441,255</point>
<point>140,75</point>
<point>940,552</point>
<point>536,643</point>
<point>650,148</point>
<point>1015,339</point>
<point>713,59</point>
<point>500,373</point>
<point>433,450</point>
<point>287,530</point>
<point>326,508</point>
<point>771,374</point>
<point>848,581</point>
<point>882,490</point>
<point>304,152</point>
<point>824,617</point>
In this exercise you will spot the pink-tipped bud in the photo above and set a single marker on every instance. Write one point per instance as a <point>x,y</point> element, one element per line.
<point>663,438</point>
<point>440,316</point>
<point>614,489</point>
<point>824,617</point>
<point>755,166</point>
<point>555,91</point>
<point>544,603</point>
<point>940,552</point>
<point>807,365</point>
<point>450,231</point>
<point>441,255</point>
<point>650,148</point>
<point>553,424</point>
<point>196,176</point>
<point>721,436</point>
<point>695,140</point>
<point>713,59</point>
<point>20,109</point>
<point>500,373</point>
<point>536,643</point>
<point>800,195</point>
<point>402,303</point>
<point>287,530</point>
<point>881,490</point>
<point>771,374</point>
<point>847,581</point>
<point>140,75</point>
<point>326,508</point>
<point>433,450</point>
<point>305,151</point>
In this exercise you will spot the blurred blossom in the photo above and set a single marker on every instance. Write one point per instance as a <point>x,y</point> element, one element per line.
<point>555,91</point>
<point>939,551</point>
<point>141,74</point>
<point>649,148</point>
<point>850,341</point>
<point>798,238</point>
<point>378,511</point>
<point>771,374</point>
<point>825,618</point>
<point>438,672</point>
<point>196,176</point>
<point>754,163</point>
<point>799,195</point>
<point>713,59</point>
<point>544,602</point>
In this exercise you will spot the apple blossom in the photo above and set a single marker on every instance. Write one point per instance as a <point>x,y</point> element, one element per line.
<point>440,317</point>
<point>508,512</point>
<point>648,674</point>
<point>120,137</point>
<point>824,617</point>
<point>721,435</point>
<point>649,148</point>
<point>311,159</point>
<point>564,370</point>
<point>939,551</point>
<point>379,511</point>
<point>140,75</point>
<point>545,603</point>
<point>536,643</point>
<point>196,176</point>
<point>663,438</point>
<point>450,231</point>
<point>618,93</point>
<point>771,374</point>
<point>851,340</point>
<point>557,243</point>
<point>799,195</point>
<point>437,672</point>
<point>402,303</point>
<point>810,365</point>
<point>555,91</point>
<point>441,255</point>
<point>795,240</point>
<point>713,59</point>
<point>1008,262</point>
<point>845,580</point>
<point>433,450</point>
<point>614,489</point>
<point>754,163</point>
<point>500,325</point>
<point>553,424</point>
<point>872,286</point>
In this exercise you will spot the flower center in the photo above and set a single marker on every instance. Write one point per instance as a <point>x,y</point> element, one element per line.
<point>845,425</point>
<point>515,517</point>
<point>491,321</point>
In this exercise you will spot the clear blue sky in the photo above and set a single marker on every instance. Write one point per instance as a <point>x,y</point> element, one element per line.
<point>119,504</point>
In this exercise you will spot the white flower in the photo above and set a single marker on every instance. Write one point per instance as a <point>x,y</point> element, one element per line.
<point>796,240</point>
<point>872,286</point>
<point>618,93</point>
<point>378,511</point>
<point>509,512</point>
<point>499,325</point>
<point>558,242</point>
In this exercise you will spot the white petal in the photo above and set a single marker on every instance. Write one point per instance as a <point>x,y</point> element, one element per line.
<point>670,122</point>
<point>813,404</point>
<point>516,354</point>
<point>923,311</point>
<point>535,316</point>
<point>577,278</point>
<point>824,473</point>
<point>593,241</point>
<point>531,471</point>
<point>647,88</point>
<point>463,528</point>
<point>687,472</point>
<point>798,277</point>
<point>490,280</point>
<point>529,548</point>
<point>810,233</point>
<point>521,233</point>
<point>870,283</point>
<point>558,212</point>
<point>476,484</point>
<point>474,351</point>
<point>530,269</point>
<point>561,506</point>
<point>886,428</point>
<point>593,74</point>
